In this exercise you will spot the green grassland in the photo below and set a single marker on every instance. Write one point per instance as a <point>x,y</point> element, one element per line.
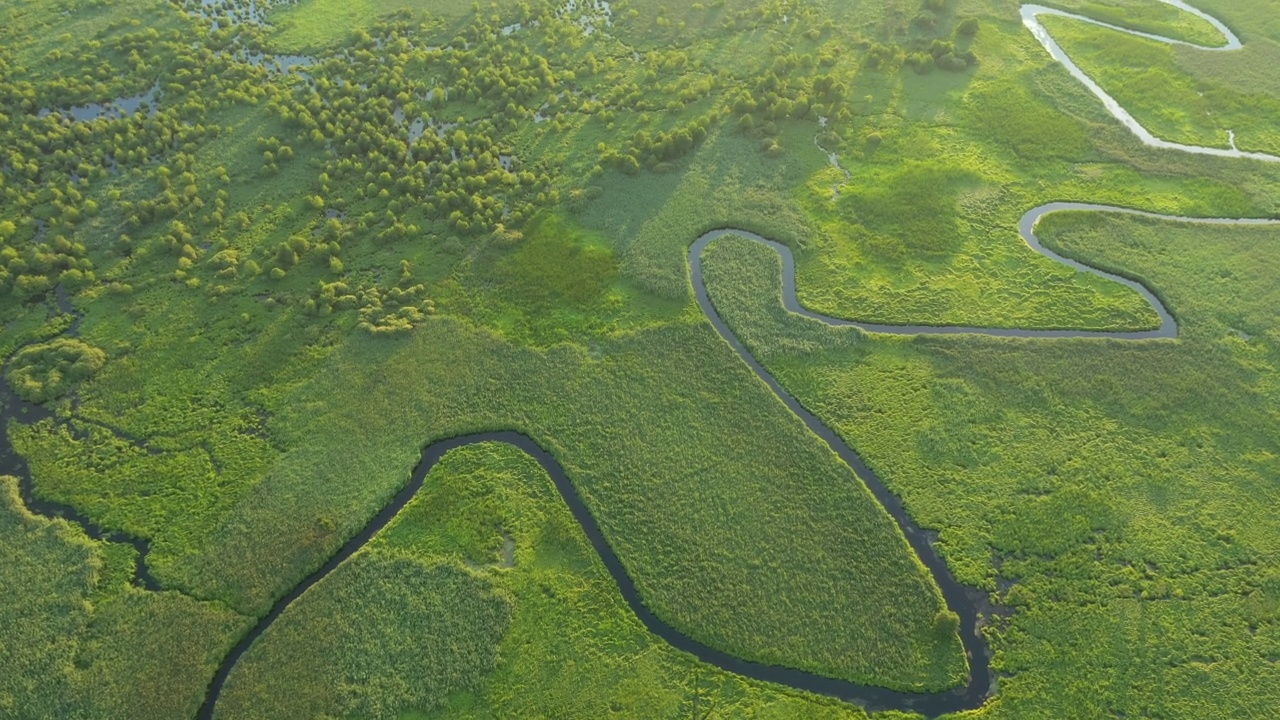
<point>1245,70</point>
<point>287,292</point>
<point>1151,16</point>
<point>1115,496</point>
<point>488,520</point>
<point>738,527</point>
<point>77,640</point>
<point>1145,77</point>
<point>1256,21</point>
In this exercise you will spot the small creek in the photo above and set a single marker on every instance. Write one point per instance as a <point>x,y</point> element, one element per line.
<point>832,158</point>
<point>1026,228</point>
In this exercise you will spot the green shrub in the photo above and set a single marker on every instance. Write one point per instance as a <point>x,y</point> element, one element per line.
<point>39,373</point>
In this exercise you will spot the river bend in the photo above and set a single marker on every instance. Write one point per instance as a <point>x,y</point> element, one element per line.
<point>962,600</point>
<point>1031,14</point>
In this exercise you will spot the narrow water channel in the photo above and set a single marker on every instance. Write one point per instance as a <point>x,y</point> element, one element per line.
<point>1031,14</point>
<point>962,600</point>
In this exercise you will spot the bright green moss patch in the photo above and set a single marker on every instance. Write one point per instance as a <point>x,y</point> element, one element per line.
<point>1011,116</point>
<point>556,265</point>
<point>914,206</point>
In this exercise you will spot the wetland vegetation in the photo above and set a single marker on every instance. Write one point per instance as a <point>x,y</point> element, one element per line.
<point>254,257</point>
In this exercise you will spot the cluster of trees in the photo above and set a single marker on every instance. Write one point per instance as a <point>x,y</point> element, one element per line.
<point>98,69</point>
<point>35,253</point>
<point>930,48</point>
<point>770,97</point>
<point>273,152</point>
<point>362,109</point>
<point>30,269</point>
<point>770,13</point>
<point>879,55</point>
<point>230,13</point>
<point>409,131</point>
<point>653,151</point>
<point>178,195</point>
<point>47,164</point>
<point>50,161</point>
<point>382,311</point>
<point>930,14</point>
<point>943,55</point>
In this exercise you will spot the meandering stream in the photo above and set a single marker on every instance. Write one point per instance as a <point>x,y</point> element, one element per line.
<point>1026,227</point>
<point>1031,18</point>
<point>14,408</point>
<point>964,601</point>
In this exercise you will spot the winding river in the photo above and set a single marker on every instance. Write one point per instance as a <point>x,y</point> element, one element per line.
<point>1026,228</point>
<point>964,601</point>
<point>1031,18</point>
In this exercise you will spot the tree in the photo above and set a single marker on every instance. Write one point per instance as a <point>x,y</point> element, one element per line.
<point>946,623</point>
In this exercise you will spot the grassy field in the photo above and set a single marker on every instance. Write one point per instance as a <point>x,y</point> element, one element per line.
<point>292,282</point>
<point>1151,16</point>
<point>699,550</point>
<point>1171,103</point>
<point>1115,496</point>
<point>541,610</point>
<point>77,640</point>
